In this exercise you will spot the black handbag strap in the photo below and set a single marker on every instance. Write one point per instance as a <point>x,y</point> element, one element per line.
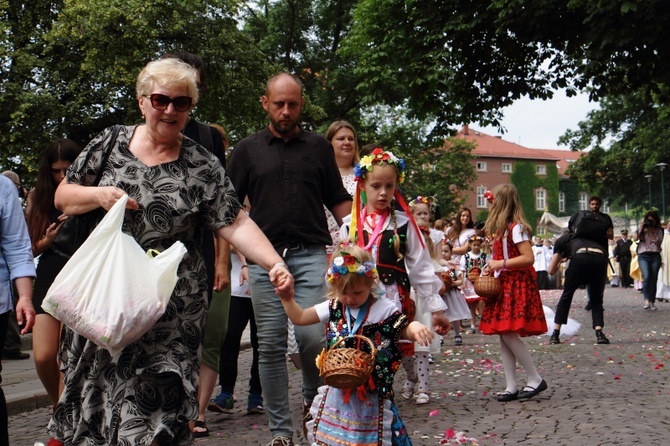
<point>109,146</point>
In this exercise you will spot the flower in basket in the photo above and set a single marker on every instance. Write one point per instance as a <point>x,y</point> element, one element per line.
<point>320,358</point>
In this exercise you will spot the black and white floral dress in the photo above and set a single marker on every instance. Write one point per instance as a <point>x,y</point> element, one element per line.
<point>150,392</point>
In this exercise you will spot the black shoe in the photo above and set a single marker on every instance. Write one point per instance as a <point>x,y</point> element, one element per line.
<point>532,391</point>
<point>14,354</point>
<point>588,306</point>
<point>601,339</point>
<point>554,339</point>
<point>507,396</point>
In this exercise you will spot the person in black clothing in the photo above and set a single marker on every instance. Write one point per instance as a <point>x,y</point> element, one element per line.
<point>603,232</point>
<point>588,264</point>
<point>288,174</point>
<point>622,255</point>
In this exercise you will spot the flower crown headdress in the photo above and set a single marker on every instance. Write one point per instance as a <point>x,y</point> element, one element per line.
<point>379,156</point>
<point>476,238</point>
<point>346,263</point>
<point>430,201</point>
<point>489,196</point>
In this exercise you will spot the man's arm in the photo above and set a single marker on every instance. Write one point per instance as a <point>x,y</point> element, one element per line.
<point>556,260</point>
<point>341,210</point>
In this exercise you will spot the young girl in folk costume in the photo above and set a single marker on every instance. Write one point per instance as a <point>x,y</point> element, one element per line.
<point>417,366</point>
<point>395,241</point>
<point>457,307</point>
<point>367,415</point>
<point>473,261</point>
<point>422,210</point>
<point>517,311</point>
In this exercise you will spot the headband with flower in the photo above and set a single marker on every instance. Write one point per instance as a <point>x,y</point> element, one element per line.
<point>476,238</point>
<point>345,264</point>
<point>379,156</point>
<point>431,202</point>
<point>489,196</point>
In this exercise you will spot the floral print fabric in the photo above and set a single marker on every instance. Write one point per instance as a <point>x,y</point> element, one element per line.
<point>151,391</point>
<point>518,309</point>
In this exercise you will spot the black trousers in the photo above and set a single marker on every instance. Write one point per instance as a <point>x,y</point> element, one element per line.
<point>241,312</point>
<point>587,269</point>
<point>624,266</point>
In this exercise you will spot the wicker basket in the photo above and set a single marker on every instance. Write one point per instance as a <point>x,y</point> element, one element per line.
<point>447,279</point>
<point>488,287</point>
<point>473,274</point>
<point>347,368</point>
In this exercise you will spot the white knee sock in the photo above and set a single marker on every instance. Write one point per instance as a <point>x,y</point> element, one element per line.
<point>521,353</point>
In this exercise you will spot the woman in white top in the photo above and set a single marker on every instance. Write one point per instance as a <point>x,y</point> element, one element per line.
<point>459,234</point>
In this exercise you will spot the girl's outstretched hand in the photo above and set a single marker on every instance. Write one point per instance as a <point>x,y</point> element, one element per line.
<point>441,324</point>
<point>420,333</point>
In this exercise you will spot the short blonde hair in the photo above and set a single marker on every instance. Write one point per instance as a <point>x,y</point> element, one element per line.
<point>168,73</point>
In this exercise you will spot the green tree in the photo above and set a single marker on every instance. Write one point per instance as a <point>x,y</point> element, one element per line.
<point>69,68</point>
<point>462,62</point>
<point>629,135</point>
<point>432,164</point>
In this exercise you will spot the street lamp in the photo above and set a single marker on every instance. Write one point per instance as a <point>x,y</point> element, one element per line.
<point>648,177</point>
<point>662,166</point>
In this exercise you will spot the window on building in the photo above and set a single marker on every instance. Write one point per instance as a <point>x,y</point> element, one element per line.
<point>540,199</point>
<point>541,231</point>
<point>481,166</point>
<point>541,169</point>
<point>507,167</point>
<point>481,201</point>
<point>583,201</point>
<point>561,202</point>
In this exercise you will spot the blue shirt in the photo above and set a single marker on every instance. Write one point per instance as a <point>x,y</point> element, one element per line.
<point>16,253</point>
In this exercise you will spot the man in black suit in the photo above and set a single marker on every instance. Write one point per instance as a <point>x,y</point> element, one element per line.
<point>623,256</point>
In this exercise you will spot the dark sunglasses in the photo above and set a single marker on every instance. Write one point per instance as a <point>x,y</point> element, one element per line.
<point>161,102</point>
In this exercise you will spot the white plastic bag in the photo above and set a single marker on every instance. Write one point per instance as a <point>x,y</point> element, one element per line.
<point>111,291</point>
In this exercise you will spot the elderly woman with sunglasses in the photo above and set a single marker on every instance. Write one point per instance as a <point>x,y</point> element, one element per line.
<point>176,190</point>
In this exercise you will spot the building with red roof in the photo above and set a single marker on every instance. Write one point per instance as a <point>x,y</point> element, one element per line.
<point>538,174</point>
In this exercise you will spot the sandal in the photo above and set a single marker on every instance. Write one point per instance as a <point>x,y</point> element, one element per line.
<point>200,424</point>
<point>458,340</point>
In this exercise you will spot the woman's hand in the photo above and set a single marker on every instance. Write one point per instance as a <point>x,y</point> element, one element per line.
<point>109,195</point>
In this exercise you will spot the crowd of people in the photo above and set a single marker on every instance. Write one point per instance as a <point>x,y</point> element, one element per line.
<point>296,234</point>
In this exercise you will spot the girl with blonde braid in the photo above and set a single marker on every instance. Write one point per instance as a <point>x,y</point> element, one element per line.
<point>395,242</point>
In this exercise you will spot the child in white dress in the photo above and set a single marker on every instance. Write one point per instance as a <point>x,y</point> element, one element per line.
<point>457,306</point>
